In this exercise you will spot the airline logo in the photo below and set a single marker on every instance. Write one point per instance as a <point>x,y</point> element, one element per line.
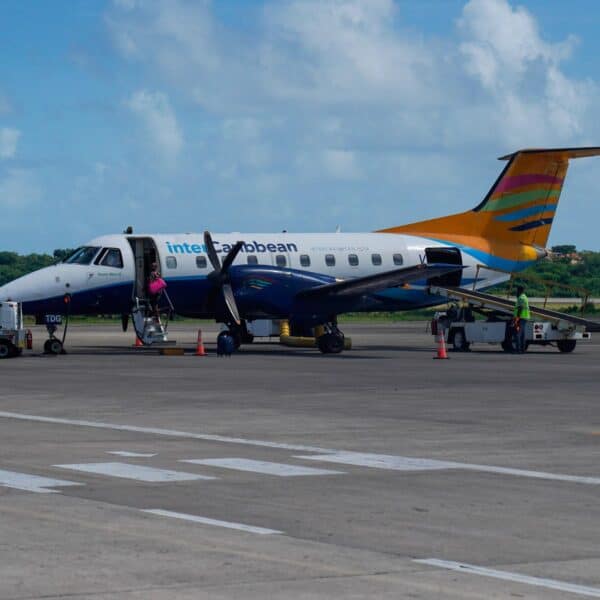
<point>249,247</point>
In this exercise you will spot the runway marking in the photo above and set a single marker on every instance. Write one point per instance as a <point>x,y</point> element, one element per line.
<point>160,431</point>
<point>215,522</point>
<point>32,483</point>
<point>261,466</point>
<point>137,472</point>
<point>381,461</point>
<point>551,584</point>
<point>127,454</point>
<point>326,454</point>
<point>405,463</point>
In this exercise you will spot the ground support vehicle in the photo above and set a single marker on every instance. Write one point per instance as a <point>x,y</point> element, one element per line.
<point>546,327</point>
<point>12,333</point>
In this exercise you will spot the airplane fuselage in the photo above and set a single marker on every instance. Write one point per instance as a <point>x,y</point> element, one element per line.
<point>102,284</point>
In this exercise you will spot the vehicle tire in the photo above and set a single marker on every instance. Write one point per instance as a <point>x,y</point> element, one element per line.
<point>4,350</point>
<point>54,347</point>
<point>459,342</point>
<point>566,345</point>
<point>331,343</point>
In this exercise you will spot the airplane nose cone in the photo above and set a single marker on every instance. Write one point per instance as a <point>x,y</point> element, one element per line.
<point>34,286</point>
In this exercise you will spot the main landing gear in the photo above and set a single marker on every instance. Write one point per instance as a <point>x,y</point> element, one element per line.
<point>332,341</point>
<point>236,336</point>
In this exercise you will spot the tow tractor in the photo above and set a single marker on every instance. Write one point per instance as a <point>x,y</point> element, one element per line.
<point>12,334</point>
<point>546,327</point>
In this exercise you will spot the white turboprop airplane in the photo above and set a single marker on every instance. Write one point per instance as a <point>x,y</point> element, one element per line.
<point>309,278</point>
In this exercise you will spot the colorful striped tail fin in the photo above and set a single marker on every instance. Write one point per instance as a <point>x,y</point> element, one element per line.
<point>517,212</point>
<point>525,197</point>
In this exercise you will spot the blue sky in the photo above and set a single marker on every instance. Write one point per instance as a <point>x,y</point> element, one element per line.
<point>284,114</point>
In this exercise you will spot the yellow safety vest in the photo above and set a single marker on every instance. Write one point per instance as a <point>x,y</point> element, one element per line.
<point>523,304</point>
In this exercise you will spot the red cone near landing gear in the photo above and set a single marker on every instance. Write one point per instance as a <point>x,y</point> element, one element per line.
<point>138,342</point>
<point>200,351</point>
<point>441,350</point>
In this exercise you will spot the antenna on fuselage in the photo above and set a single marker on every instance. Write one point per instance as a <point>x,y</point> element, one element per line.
<point>128,230</point>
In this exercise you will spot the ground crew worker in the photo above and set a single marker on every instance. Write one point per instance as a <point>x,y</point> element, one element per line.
<point>521,316</point>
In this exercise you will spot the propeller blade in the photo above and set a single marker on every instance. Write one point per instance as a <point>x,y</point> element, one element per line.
<point>212,253</point>
<point>230,303</point>
<point>231,256</point>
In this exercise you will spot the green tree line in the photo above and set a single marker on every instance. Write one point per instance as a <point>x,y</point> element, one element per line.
<point>581,273</point>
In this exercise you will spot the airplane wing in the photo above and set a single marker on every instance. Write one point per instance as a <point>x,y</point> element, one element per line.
<point>377,282</point>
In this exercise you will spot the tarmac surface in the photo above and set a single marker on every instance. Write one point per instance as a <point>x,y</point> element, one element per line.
<point>282,473</point>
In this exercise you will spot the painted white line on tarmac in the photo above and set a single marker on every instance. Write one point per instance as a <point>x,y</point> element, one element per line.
<point>32,483</point>
<point>136,472</point>
<point>405,463</point>
<point>327,454</point>
<point>161,431</point>
<point>261,466</point>
<point>127,454</point>
<point>382,461</point>
<point>551,584</point>
<point>214,522</point>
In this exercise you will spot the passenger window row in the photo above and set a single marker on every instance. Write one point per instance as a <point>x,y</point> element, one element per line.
<point>281,260</point>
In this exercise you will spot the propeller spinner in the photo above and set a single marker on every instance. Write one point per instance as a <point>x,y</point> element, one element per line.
<point>220,276</point>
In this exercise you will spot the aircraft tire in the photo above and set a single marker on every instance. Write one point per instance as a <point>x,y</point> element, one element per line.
<point>331,343</point>
<point>54,347</point>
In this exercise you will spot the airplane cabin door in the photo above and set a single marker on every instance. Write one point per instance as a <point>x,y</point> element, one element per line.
<point>144,254</point>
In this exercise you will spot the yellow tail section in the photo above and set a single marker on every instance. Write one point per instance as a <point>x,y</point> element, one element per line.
<point>513,221</point>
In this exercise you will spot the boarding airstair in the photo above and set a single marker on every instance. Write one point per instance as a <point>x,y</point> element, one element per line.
<point>489,302</point>
<point>151,329</point>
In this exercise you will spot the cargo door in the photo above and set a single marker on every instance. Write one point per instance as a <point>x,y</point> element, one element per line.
<point>446,256</point>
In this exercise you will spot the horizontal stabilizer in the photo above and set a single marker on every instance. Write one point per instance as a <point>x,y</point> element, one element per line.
<point>375,283</point>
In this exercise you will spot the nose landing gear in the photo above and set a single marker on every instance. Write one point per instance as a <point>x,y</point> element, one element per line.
<point>53,345</point>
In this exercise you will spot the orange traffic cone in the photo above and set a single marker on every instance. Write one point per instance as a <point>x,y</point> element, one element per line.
<point>441,349</point>
<point>138,342</point>
<point>200,351</point>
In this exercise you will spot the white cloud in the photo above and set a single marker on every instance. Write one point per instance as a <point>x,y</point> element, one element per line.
<point>318,99</point>
<point>154,110</point>
<point>341,164</point>
<point>18,188</point>
<point>314,60</point>
<point>520,74</point>
<point>9,138</point>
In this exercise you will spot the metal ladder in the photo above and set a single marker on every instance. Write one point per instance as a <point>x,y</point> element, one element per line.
<point>148,328</point>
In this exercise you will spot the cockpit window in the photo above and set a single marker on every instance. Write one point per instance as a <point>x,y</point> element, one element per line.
<point>113,258</point>
<point>83,255</point>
